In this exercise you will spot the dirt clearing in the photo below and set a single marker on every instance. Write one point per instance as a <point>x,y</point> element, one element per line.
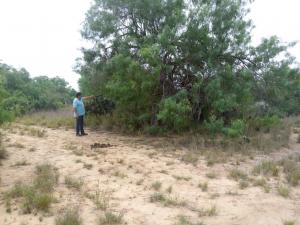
<point>112,179</point>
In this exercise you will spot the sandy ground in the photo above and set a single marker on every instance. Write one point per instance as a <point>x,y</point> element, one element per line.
<point>127,170</point>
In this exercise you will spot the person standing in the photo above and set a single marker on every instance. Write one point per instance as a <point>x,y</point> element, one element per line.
<point>79,113</point>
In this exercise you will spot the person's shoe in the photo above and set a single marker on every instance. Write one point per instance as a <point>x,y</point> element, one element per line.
<point>84,134</point>
<point>78,135</point>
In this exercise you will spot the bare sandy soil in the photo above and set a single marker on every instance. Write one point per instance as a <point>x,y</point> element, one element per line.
<point>127,170</point>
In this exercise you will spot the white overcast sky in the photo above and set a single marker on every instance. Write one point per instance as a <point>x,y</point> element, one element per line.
<point>43,35</point>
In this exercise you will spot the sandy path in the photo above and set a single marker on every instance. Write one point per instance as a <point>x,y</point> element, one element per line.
<point>119,169</point>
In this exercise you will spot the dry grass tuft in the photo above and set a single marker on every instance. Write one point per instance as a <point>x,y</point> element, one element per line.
<point>70,217</point>
<point>73,183</point>
<point>37,196</point>
<point>156,185</point>
<point>190,157</point>
<point>212,211</point>
<point>266,168</point>
<point>237,175</point>
<point>110,218</point>
<point>184,220</point>
<point>283,191</point>
<point>166,200</point>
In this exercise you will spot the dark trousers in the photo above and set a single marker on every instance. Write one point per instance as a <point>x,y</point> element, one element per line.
<point>79,125</point>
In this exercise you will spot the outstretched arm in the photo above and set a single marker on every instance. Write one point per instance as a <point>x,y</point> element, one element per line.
<point>88,97</point>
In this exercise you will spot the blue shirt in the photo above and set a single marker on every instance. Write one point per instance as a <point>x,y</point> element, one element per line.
<point>79,106</point>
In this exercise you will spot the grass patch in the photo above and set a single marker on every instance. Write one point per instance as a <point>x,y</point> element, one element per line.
<point>237,175</point>
<point>166,200</point>
<point>51,119</point>
<point>243,184</point>
<point>215,157</point>
<point>101,199</point>
<point>261,182</point>
<point>37,196</point>
<point>46,178</point>
<point>70,217</point>
<point>73,183</point>
<point>87,166</point>
<point>156,185</point>
<point>184,220</point>
<point>190,157</point>
<point>37,132</point>
<point>212,211</point>
<point>291,168</point>
<point>266,168</point>
<point>177,177</point>
<point>283,191</point>
<point>110,218</point>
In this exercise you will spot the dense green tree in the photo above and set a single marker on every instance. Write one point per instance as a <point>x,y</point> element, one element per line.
<point>147,53</point>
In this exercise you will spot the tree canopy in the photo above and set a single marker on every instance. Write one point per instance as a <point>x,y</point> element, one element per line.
<point>173,63</point>
<point>20,94</point>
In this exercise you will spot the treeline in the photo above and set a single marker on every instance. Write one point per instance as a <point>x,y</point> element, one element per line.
<point>171,65</point>
<point>21,94</point>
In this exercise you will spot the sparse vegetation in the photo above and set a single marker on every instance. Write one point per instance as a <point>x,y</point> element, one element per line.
<point>185,178</point>
<point>243,184</point>
<point>70,217</point>
<point>212,211</point>
<point>101,199</point>
<point>38,195</point>
<point>46,178</point>
<point>266,168</point>
<point>110,218</point>
<point>184,220</point>
<point>166,200</point>
<point>74,183</point>
<point>283,191</point>
<point>156,185</point>
<point>87,166</point>
<point>261,182</point>
<point>190,157</point>
<point>237,174</point>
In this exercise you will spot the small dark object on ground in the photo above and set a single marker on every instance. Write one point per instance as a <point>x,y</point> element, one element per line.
<point>99,145</point>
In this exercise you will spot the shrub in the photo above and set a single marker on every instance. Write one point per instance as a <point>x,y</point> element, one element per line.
<point>236,129</point>
<point>214,125</point>
<point>175,112</point>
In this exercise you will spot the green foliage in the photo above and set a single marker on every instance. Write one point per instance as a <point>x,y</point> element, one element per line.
<point>20,94</point>
<point>170,64</point>
<point>175,112</point>
<point>236,129</point>
<point>214,125</point>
